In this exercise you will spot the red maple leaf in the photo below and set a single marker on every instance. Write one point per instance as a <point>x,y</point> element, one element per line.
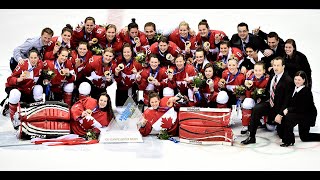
<point>182,87</point>
<point>127,81</point>
<point>87,123</point>
<point>166,123</point>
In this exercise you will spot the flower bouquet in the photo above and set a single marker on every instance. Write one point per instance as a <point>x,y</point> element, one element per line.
<point>218,67</point>
<point>258,93</point>
<point>198,81</point>
<point>47,76</point>
<point>91,135</point>
<point>141,57</point>
<point>163,134</point>
<point>96,49</point>
<point>157,36</point>
<point>240,90</point>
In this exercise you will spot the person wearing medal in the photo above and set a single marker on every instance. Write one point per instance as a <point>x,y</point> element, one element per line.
<point>59,41</point>
<point>88,32</point>
<point>258,80</point>
<point>165,50</point>
<point>210,39</point>
<point>180,79</point>
<point>185,39</point>
<point>21,84</point>
<point>226,51</point>
<point>210,89</point>
<point>134,37</point>
<point>200,60</point>
<point>113,39</point>
<point>231,77</point>
<point>150,78</point>
<point>99,72</point>
<point>154,113</point>
<point>125,75</point>
<point>91,114</point>
<point>64,78</point>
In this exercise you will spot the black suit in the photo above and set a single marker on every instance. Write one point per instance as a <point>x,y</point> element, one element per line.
<point>301,111</point>
<point>298,62</point>
<point>279,51</point>
<point>257,41</point>
<point>283,93</point>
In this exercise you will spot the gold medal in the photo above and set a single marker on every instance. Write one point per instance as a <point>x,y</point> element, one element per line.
<point>121,66</point>
<point>209,81</point>
<point>89,111</point>
<point>206,45</point>
<point>95,40</point>
<point>26,74</point>
<point>187,44</point>
<point>150,79</point>
<point>169,71</point>
<point>136,39</point>
<point>169,103</point>
<point>107,73</point>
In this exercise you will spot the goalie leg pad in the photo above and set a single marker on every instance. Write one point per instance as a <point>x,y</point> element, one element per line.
<point>45,129</point>
<point>202,133</point>
<point>48,112</point>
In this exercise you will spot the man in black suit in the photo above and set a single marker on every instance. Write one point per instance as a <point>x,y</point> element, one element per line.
<point>276,46</point>
<point>243,37</point>
<point>279,91</point>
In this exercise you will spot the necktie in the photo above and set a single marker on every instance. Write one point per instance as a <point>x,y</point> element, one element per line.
<point>244,47</point>
<point>42,52</point>
<point>272,91</point>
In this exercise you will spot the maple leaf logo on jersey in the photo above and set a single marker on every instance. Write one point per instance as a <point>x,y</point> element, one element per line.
<point>208,97</point>
<point>166,123</point>
<point>127,80</point>
<point>182,86</point>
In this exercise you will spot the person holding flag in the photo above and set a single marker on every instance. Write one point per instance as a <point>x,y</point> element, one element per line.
<point>156,118</point>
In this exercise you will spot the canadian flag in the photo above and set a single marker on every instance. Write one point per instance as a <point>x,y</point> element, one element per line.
<point>166,120</point>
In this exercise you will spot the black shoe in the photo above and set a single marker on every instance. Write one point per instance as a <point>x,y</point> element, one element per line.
<point>262,126</point>
<point>243,132</point>
<point>5,107</point>
<point>286,144</point>
<point>249,140</point>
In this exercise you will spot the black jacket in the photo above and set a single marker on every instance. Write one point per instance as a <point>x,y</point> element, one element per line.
<point>302,103</point>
